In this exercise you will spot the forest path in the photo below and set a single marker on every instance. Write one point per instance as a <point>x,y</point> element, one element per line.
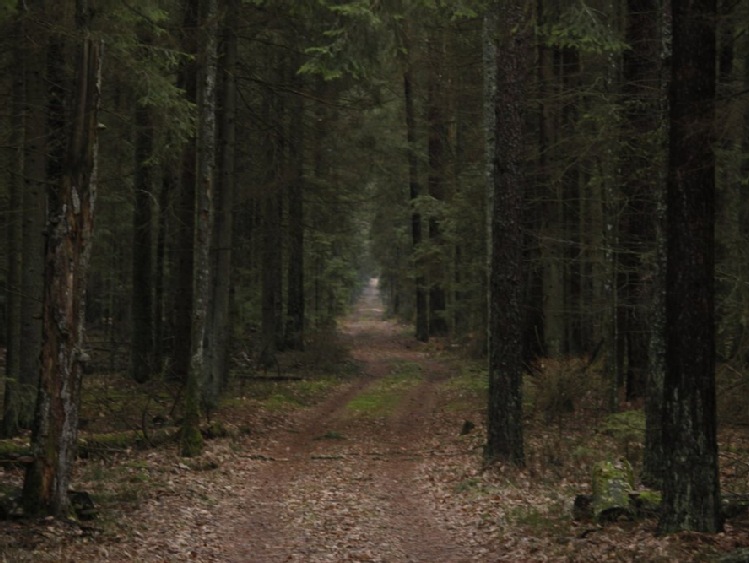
<point>343,483</point>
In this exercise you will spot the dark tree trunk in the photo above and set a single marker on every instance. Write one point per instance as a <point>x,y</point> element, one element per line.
<point>272,273</point>
<point>295,273</point>
<point>505,419</point>
<point>640,182</point>
<point>69,237</point>
<point>691,489</point>
<point>272,228</point>
<point>34,207</point>
<point>12,396</point>
<point>142,310</point>
<point>653,463</point>
<point>182,280</point>
<point>223,223</point>
<point>438,161</point>
<point>202,342</point>
<point>422,314</point>
<point>168,182</point>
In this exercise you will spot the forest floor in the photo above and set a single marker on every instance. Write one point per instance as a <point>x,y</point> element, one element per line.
<point>380,466</point>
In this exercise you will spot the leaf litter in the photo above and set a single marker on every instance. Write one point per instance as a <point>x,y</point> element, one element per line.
<point>395,485</point>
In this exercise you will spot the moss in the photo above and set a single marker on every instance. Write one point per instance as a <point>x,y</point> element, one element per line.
<point>613,482</point>
<point>626,425</point>
<point>382,398</point>
<point>191,441</point>
<point>11,449</point>
<point>332,435</point>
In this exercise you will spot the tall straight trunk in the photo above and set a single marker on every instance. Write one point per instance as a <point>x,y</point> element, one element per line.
<point>202,342</point>
<point>653,462</point>
<point>142,310</point>
<point>569,190</point>
<point>272,228</point>
<point>34,207</point>
<point>641,174</point>
<point>691,486</point>
<point>168,182</point>
<point>437,155</point>
<point>489,100</point>
<point>182,278</point>
<point>552,213</point>
<point>295,274</point>
<point>69,237</point>
<point>12,396</point>
<point>505,420</point>
<point>223,222</point>
<point>272,273</point>
<point>422,314</point>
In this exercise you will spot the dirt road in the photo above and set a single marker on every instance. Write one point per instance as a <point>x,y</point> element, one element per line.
<point>344,485</point>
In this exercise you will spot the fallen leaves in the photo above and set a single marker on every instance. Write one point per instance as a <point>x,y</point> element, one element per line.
<point>316,484</point>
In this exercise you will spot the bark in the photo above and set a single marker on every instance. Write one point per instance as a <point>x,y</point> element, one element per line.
<point>205,145</point>
<point>168,182</point>
<point>691,489</point>
<point>295,315</point>
<point>223,222</point>
<point>552,214</point>
<point>438,155</point>
<point>142,310</point>
<point>69,237</point>
<point>653,463</point>
<point>505,420</point>
<point>272,231</point>
<point>34,208</point>
<point>414,189</point>
<point>13,291</point>
<point>182,279</point>
<point>489,101</point>
<point>640,182</point>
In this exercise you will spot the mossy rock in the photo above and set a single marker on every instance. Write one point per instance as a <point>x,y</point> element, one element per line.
<point>613,482</point>
<point>646,502</point>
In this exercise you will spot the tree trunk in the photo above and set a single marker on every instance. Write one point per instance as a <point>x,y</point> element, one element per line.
<point>640,169</point>
<point>142,310</point>
<point>223,222</point>
<point>422,314</point>
<point>34,208</point>
<point>505,420</point>
<point>168,182</point>
<point>69,237</point>
<point>295,197</point>
<point>272,231</point>
<point>182,278</point>
<point>654,454</point>
<point>13,291</point>
<point>438,156</point>
<point>691,488</point>
<point>191,442</point>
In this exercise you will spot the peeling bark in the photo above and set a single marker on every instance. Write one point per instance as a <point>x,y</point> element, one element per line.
<point>69,235</point>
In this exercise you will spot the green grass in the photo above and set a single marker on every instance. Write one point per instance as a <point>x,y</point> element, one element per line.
<point>383,397</point>
<point>279,395</point>
<point>468,387</point>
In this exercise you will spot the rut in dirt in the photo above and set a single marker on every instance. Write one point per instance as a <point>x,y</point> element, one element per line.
<point>344,484</point>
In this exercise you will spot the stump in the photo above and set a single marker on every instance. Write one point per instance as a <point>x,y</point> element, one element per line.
<point>613,482</point>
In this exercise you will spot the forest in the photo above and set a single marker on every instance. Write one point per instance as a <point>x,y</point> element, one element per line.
<point>374,280</point>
